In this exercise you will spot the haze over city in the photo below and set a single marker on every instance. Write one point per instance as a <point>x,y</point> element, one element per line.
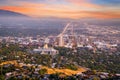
<point>59,40</point>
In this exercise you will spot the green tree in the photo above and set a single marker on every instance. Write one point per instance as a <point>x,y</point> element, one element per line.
<point>42,71</point>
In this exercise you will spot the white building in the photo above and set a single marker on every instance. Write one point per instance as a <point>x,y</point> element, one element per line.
<point>46,50</point>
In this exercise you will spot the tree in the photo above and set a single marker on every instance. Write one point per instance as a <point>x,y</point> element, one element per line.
<point>42,71</point>
<point>2,77</point>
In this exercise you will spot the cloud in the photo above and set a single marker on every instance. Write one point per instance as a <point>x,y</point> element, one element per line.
<point>84,3</point>
<point>68,9</point>
<point>107,2</point>
<point>63,13</point>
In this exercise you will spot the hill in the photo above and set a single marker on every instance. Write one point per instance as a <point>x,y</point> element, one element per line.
<point>6,13</point>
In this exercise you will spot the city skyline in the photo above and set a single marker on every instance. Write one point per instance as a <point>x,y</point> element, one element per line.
<point>73,9</point>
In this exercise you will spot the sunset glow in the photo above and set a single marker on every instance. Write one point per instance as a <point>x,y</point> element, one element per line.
<point>64,8</point>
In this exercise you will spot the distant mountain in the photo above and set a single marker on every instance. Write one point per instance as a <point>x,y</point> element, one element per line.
<point>6,13</point>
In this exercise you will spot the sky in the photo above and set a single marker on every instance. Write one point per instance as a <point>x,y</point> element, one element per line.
<point>74,9</point>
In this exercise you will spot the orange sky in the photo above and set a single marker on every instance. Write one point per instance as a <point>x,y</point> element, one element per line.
<point>75,9</point>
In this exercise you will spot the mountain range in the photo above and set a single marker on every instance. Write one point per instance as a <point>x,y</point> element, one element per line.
<point>19,20</point>
<point>6,13</point>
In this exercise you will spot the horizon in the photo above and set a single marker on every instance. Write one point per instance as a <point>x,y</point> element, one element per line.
<point>59,40</point>
<point>71,9</point>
